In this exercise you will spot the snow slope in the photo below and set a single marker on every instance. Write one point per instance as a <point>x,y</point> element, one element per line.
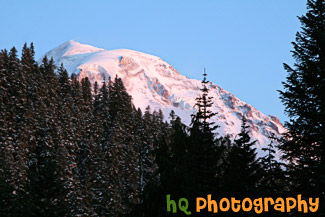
<point>151,81</point>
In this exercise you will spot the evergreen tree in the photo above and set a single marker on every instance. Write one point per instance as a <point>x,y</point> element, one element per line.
<point>100,164</point>
<point>17,134</point>
<point>124,172</point>
<point>67,146</point>
<point>34,102</point>
<point>87,141</point>
<point>178,149</point>
<point>241,169</point>
<point>172,162</point>
<point>157,171</point>
<point>46,191</point>
<point>304,99</point>
<point>202,137</point>
<point>143,149</point>
<point>241,173</point>
<point>273,179</point>
<point>6,146</point>
<point>202,157</point>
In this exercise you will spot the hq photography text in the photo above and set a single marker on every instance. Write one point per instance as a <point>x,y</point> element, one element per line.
<point>258,205</point>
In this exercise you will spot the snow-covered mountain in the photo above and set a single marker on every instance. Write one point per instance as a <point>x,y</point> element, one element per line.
<point>151,81</point>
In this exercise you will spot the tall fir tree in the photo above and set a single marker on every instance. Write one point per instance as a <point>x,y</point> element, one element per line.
<point>6,146</point>
<point>87,143</point>
<point>273,179</point>
<point>123,156</point>
<point>67,146</point>
<point>304,100</point>
<point>202,157</point>
<point>100,164</point>
<point>18,134</point>
<point>241,169</point>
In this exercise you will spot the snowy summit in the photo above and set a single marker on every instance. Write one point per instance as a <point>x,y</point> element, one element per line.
<point>151,81</point>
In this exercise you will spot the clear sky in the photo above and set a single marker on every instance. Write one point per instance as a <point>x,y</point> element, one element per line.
<point>242,44</point>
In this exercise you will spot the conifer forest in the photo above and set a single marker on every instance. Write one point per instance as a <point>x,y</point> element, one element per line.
<point>70,148</point>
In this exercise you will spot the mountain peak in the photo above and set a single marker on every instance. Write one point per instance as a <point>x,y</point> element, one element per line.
<point>71,48</point>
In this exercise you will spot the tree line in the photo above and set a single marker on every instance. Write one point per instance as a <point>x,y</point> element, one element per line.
<point>69,149</point>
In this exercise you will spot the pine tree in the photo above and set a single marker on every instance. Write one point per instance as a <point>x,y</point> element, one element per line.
<point>156,167</point>
<point>87,142</point>
<point>102,111</point>
<point>144,153</point>
<point>172,161</point>
<point>100,164</point>
<point>204,114</point>
<point>202,136</point>
<point>241,168</point>
<point>179,147</point>
<point>304,100</point>
<point>124,158</point>
<point>202,157</point>
<point>34,102</point>
<point>67,147</point>
<point>17,134</point>
<point>46,191</point>
<point>6,147</point>
<point>273,180</point>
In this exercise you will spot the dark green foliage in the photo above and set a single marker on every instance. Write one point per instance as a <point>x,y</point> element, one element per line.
<point>273,181</point>
<point>46,189</point>
<point>240,171</point>
<point>202,157</point>
<point>241,168</point>
<point>99,156</point>
<point>304,100</point>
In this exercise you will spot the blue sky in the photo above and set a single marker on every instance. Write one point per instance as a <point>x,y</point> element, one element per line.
<point>242,44</point>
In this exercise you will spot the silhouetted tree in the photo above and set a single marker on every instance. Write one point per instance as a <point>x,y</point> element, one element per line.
<point>304,100</point>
